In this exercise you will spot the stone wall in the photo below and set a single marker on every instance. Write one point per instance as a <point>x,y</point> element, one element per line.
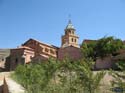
<point>104,63</point>
<point>70,52</point>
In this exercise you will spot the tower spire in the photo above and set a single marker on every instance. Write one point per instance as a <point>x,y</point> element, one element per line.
<point>70,25</point>
<point>70,38</point>
<point>69,19</point>
<point>70,22</point>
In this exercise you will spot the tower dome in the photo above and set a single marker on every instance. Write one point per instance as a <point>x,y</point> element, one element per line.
<point>70,25</point>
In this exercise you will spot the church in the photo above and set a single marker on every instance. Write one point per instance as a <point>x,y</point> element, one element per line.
<point>34,50</point>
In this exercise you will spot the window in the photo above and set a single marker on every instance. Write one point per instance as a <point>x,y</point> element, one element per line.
<point>72,39</point>
<point>75,40</point>
<point>41,49</point>
<point>51,51</point>
<point>69,32</point>
<point>16,60</point>
<point>46,50</point>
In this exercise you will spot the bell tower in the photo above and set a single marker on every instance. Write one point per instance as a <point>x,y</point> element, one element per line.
<point>70,38</point>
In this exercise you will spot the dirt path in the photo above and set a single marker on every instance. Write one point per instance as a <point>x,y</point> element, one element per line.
<point>12,85</point>
<point>2,75</point>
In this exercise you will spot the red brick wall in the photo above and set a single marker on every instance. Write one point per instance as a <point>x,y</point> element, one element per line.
<point>70,52</point>
<point>17,51</point>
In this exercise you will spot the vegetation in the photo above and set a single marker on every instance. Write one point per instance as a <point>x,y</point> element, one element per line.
<point>119,76</point>
<point>102,47</point>
<point>58,77</point>
<point>108,45</point>
<point>89,81</point>
<point>88,50</point>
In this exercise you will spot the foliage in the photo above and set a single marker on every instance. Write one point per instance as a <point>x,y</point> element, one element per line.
<point>108,45</point>
<point>35,77</point>
<point>119,65</point>
<point>89,50</point>
<point>119,76</point>
<point>102,47</point>
<point>53,76</point>
<point>89,80</point>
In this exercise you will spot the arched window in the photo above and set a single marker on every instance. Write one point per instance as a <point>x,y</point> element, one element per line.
<point>69,31</point>
<point>75,40</point>
<point>72,39</point>
<point>46,50</point>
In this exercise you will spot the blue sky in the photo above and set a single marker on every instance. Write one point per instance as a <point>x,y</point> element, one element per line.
<point>45,20</point>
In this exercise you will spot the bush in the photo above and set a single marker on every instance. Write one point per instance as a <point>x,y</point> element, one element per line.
<point>58,77</point>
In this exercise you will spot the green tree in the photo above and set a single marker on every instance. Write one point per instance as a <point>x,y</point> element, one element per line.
<point>108,45</point>
<point>102,47</point>
<point>89,80</point>
<point>88,49</point>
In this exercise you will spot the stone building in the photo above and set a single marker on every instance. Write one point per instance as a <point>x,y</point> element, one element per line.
<point>21,55</point>
<point>33,50</point>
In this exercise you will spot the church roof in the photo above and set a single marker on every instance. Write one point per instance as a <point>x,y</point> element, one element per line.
<point>70,25</point>
<point>39,43</point>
